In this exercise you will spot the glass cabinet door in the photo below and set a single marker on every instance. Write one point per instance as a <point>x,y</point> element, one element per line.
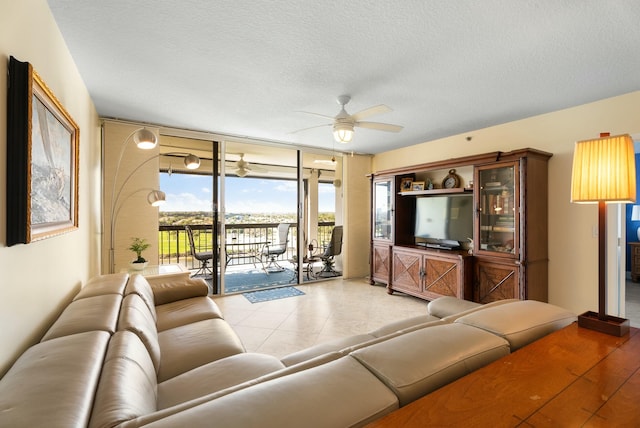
<point>498,219</point>
<point>383,209</point>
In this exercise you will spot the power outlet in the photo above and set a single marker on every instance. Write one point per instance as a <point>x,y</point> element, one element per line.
<point>594,231</point>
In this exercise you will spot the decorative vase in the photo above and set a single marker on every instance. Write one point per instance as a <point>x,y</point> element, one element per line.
<point>138,266</point>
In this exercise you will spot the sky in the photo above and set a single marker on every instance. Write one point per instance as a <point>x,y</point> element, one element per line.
<point>190,192</point>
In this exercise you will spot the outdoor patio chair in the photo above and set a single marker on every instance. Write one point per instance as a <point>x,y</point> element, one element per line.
<point>333,249</point>
<point>204,257</point>
<point>272,250</point>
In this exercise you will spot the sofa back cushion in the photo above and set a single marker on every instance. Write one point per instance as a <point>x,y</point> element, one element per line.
<point>520,322</point>
<point>128,387</point>
<point>136,318</point>
<point>54,382</point>
<point>104,284</point>
<point>88,314</point>
<point>139,285</point>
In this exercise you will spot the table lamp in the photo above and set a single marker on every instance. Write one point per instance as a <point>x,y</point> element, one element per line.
<point>635,216</point>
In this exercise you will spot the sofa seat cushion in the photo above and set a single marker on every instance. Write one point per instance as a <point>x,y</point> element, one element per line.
<point>417,363</point>
<point>104,284</point>
<point>52,384</point>
<point>87,314</point>
<point>215,376</point>
<point>341,393</point>
<point>187,311</point>
<point>193,345</point>
<point>520,322</point>
<point>128,387</point>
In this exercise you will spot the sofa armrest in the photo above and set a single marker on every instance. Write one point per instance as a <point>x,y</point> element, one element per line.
<point>166,292</point>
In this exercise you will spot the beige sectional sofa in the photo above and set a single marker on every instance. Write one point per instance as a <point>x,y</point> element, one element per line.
<point>124,353</point>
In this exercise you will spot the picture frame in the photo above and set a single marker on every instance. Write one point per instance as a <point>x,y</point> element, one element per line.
<point>405,184</point>
<point>417,185</point>
<point>42,159</point>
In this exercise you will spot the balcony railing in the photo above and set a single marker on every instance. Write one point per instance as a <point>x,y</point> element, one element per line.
<point>240,239</point>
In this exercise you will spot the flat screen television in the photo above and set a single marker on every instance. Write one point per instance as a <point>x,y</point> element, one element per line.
<point>444,221</point>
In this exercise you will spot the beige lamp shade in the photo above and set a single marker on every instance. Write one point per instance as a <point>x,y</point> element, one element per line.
<point>604,169</point>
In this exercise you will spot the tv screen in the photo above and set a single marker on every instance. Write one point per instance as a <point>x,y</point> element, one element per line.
<point>445,220</point>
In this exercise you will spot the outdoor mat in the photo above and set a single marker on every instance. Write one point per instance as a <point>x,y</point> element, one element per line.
<point>272,294</point>
<point>255,279</point>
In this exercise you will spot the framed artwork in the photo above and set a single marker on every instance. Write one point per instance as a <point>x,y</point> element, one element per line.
<point>405,184</point>
<point>42,160</point>
<point>418,185</point>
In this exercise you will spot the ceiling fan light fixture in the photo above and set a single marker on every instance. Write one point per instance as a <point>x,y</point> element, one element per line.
<point>343,132</point>
<point>241,172</point>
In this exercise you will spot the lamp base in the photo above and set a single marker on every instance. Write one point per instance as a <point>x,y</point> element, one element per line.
<point>613,326</point>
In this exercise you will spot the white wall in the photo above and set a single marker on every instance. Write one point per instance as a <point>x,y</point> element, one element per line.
<point>572,246</point>
<point>37,280</point>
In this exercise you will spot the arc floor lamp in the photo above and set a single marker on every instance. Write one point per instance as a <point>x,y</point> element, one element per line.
<point>603,172</point>
<point>145,140</point>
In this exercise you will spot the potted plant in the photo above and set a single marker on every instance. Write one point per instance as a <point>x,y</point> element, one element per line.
<point>138,245</point>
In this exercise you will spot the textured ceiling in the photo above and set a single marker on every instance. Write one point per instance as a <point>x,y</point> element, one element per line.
<point>248,68</point>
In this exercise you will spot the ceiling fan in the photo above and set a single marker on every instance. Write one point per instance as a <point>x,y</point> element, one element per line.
<point>242,167</point>
<point>343,122</point>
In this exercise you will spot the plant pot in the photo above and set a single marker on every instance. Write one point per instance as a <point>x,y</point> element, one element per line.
<point>138,266</point>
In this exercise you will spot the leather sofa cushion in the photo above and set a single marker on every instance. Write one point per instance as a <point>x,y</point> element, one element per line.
<point>447,305</point>
<point>417,363</point>
<point>187,347</point>
<point>520,322</point>
<point>139,285</point>
<point>165,292</point>
<point>136,317</point>
<point>215,376</point>
<point>87,314</point>
<point>402,325</point>
<point>453,317</point>
<point>104,284</point>
<point>52,384</point>
<point>128,386</point>
<point>341,393</point>
<point>187,311</point>
<point>325,348</point>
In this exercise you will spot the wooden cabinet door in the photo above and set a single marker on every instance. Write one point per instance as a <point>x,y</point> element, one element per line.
<point>381,263</point>
<point>496,281</point>
<point>407,271</point>
<point>442,277</point>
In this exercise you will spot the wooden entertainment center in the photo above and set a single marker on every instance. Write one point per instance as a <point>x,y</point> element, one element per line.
<point>507,256</point>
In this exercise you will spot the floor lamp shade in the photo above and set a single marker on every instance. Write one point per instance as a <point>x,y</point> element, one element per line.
<point>603,171</point>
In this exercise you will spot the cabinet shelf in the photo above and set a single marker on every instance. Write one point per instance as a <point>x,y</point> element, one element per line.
<point>435,191</point>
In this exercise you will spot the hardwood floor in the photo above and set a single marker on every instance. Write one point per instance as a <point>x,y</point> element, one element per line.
<point>571,378</point>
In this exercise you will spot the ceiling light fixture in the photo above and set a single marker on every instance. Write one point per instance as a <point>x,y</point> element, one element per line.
<point>343,132</point>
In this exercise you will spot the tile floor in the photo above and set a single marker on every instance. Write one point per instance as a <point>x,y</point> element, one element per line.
<point>333,309</point>
<point>328,310</point>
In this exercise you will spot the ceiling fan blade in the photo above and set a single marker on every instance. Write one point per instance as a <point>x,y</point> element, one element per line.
<point>311,127</point>
<point>316,114</point>
<point>380,126</point>
<point>363,114</point>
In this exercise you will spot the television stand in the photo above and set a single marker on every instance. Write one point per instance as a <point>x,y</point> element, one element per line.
<point>441,246</point>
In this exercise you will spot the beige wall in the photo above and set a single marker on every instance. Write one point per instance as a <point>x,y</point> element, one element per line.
<point>37,280</point>
<point>135,218</point>
<point>572,246</point>
<point>357,211</point>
